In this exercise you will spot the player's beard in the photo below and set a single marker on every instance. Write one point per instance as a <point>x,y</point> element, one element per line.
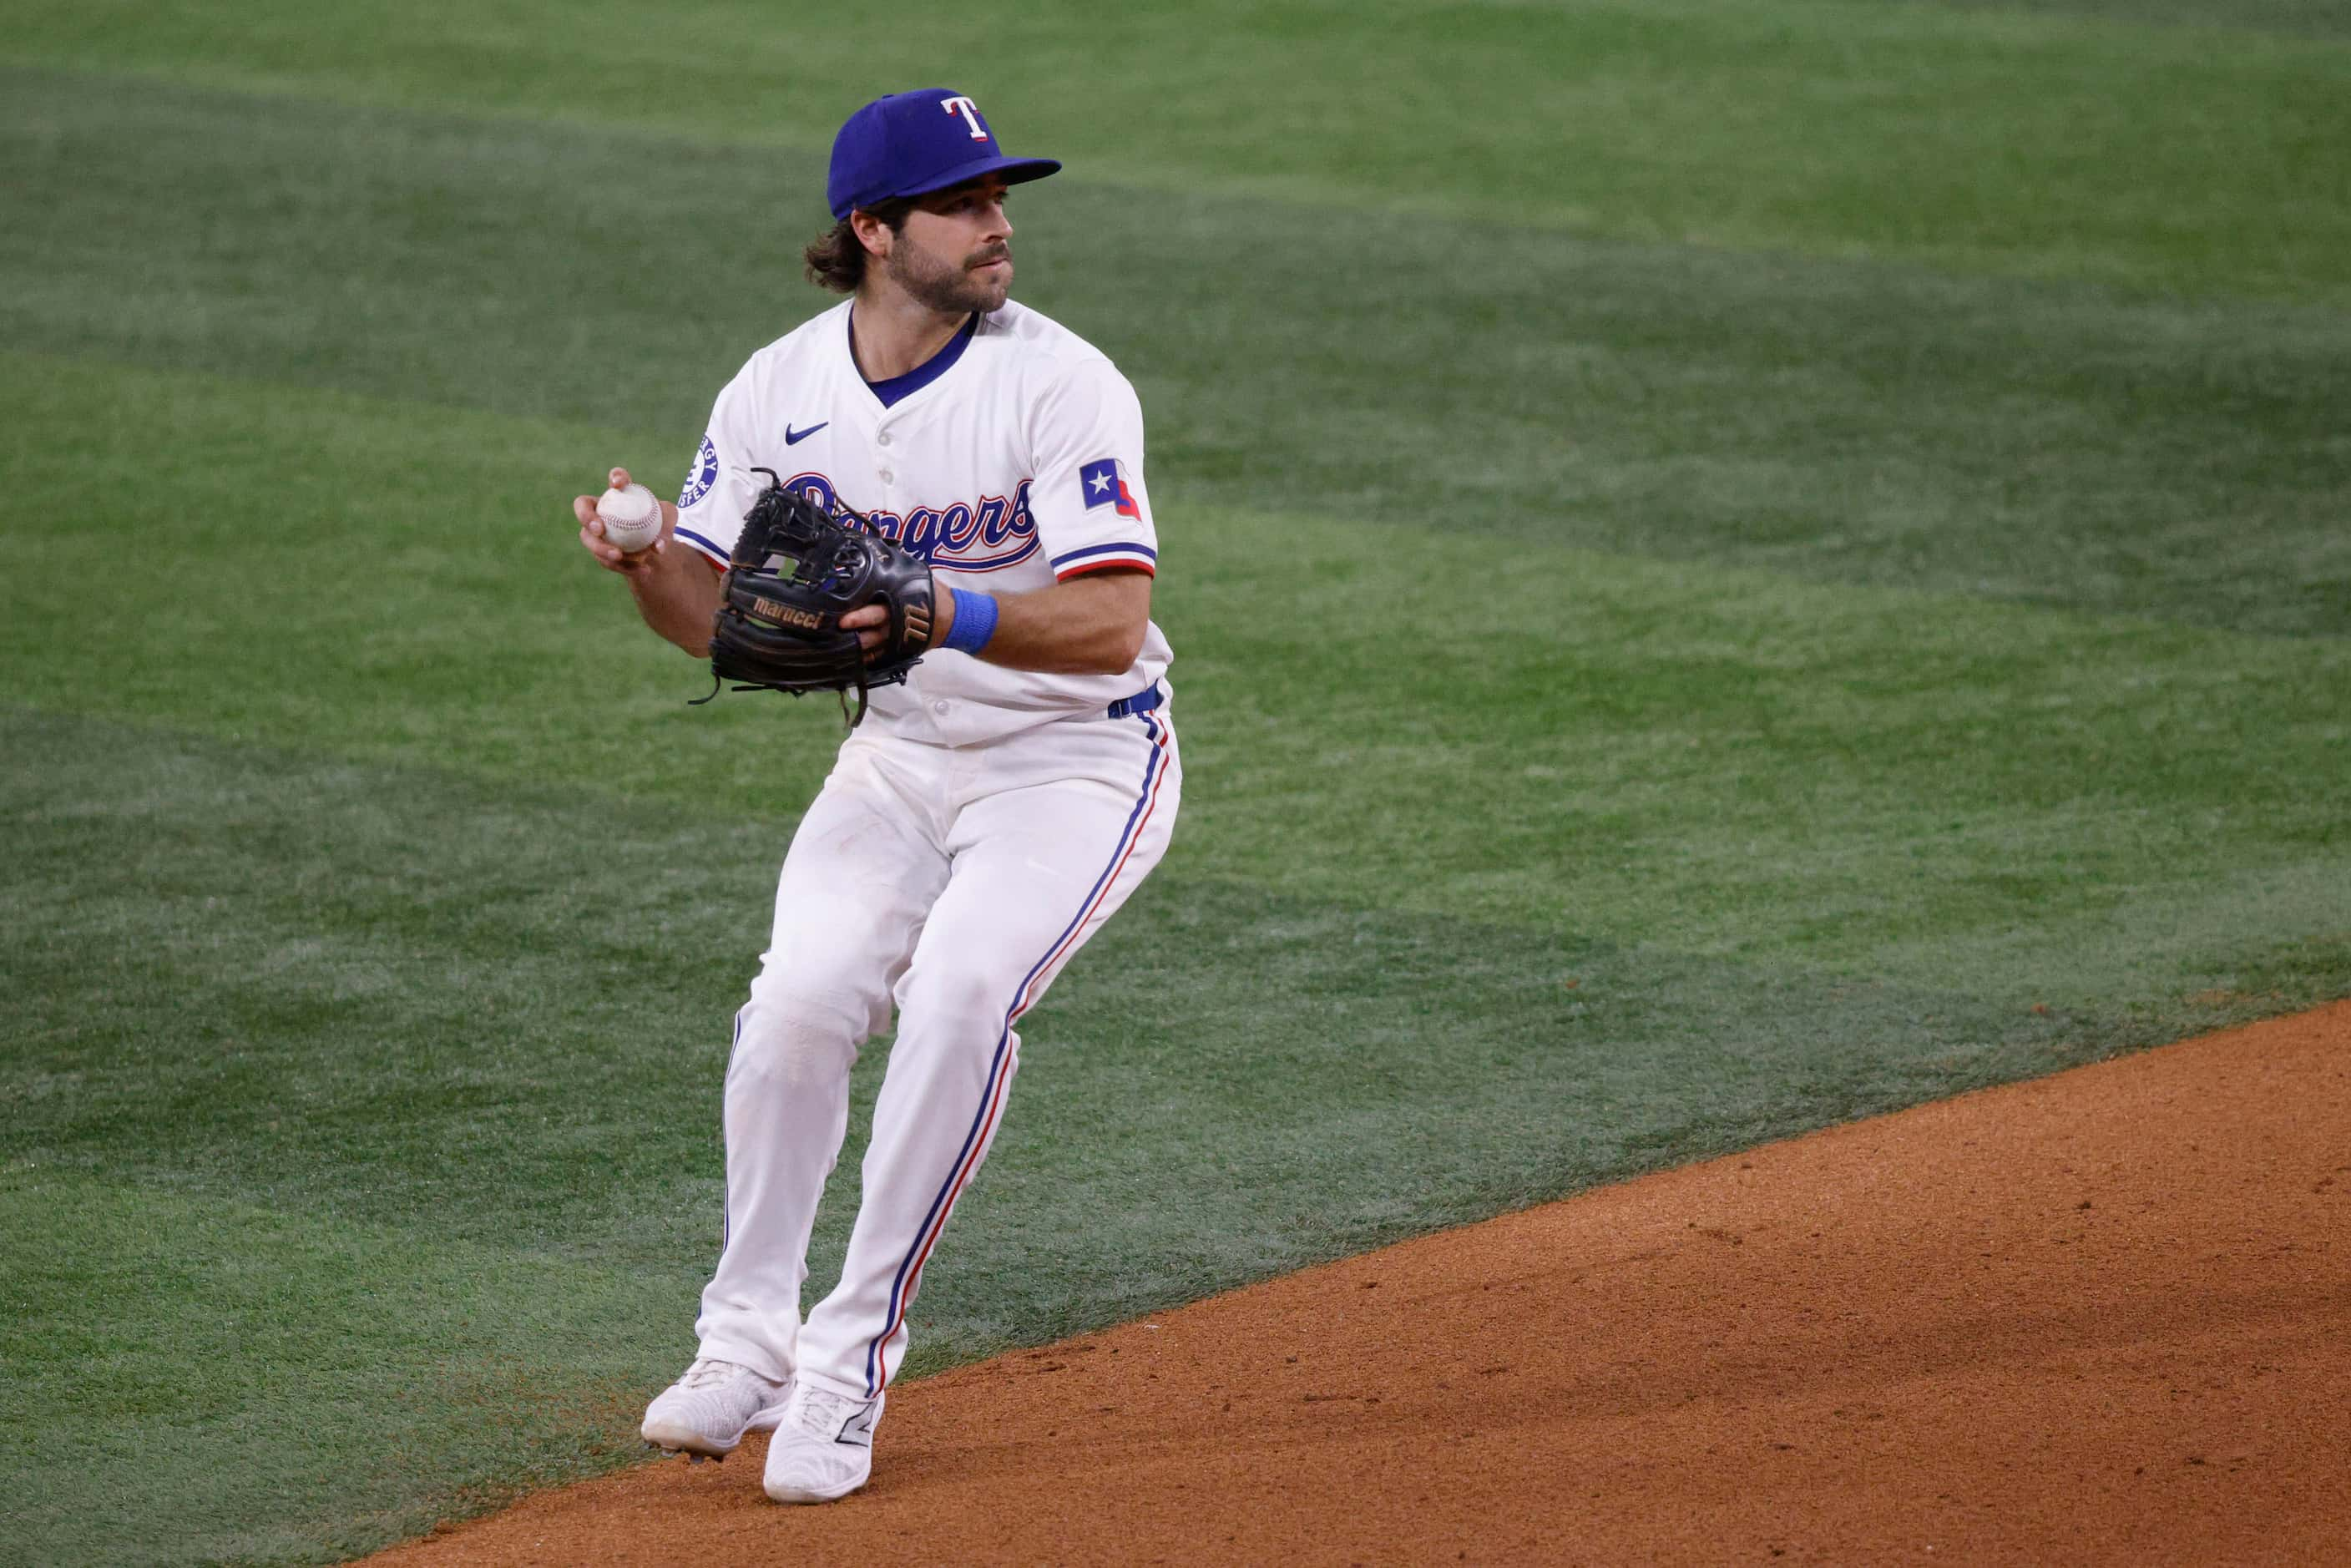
<point>951,288</point>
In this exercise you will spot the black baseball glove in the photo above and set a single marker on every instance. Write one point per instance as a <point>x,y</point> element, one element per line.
<point>794,573</point>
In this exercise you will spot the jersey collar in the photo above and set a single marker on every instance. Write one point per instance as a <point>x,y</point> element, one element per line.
<point>897,389</point>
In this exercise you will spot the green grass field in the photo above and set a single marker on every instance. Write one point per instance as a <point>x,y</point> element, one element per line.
<point>1732,567</point>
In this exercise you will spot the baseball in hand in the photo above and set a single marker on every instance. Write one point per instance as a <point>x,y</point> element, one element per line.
<point>632,517</point>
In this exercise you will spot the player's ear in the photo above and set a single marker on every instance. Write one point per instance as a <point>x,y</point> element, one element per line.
<point>872,232</point>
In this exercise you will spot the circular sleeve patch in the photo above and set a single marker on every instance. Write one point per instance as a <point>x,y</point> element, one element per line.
<point>704,475</point>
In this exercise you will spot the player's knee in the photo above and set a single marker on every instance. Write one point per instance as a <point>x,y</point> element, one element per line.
<point>952,991</point>
<point>799,1036</point>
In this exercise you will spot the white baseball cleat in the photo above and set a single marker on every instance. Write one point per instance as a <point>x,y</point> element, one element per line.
<point>823,1448</point>
<point>706,1412</point>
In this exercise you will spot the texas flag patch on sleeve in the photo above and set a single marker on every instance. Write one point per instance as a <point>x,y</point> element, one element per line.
<point>1105,486</point>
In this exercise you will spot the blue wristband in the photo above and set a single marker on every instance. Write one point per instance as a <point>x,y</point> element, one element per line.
<point>975,621</point>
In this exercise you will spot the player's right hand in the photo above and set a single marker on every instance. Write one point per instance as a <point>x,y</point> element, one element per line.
<point>608,555</point>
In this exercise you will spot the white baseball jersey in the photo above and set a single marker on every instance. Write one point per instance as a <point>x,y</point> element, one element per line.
<point>1013,459</point>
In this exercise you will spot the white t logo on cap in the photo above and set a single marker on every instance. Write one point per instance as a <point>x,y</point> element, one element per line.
<point>970,112</point>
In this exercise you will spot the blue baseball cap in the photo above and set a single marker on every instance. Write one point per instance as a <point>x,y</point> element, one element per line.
<point>912,144</point>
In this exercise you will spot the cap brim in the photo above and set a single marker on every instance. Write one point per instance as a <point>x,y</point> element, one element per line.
<point>1011,171</point>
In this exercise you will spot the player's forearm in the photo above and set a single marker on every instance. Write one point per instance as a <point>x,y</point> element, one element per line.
<point>677,594</point>
<point>1092,625</point>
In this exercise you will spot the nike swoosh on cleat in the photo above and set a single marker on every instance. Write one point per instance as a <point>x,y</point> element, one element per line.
<point>794,437</point>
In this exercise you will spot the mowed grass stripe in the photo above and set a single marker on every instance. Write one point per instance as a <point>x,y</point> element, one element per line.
<point>199,1380</point>
<point>1845,422</point>
<point>411,997</point>
<point>2044,143</point>
<point>2310,18</point>
<point>1713,761</point>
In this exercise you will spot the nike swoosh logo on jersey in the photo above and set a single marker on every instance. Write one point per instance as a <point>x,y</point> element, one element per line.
<point>794,437</point>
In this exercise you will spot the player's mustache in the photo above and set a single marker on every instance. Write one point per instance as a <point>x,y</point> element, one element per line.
<point>994,253</point>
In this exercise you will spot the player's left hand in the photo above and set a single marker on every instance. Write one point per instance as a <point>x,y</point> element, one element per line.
<point>868,624</point>
<point>872,624</point>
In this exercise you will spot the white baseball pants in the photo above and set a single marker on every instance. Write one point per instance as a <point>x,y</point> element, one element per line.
<point>953,881</point>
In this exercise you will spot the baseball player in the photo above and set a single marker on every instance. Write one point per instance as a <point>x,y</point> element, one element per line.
<point>985,818</point>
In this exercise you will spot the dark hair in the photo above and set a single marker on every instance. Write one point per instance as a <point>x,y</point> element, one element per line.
<point>835,260</point>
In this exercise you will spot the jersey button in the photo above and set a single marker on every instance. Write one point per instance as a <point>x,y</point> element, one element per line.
<point>888,477</point>
<point>882,439</point>
<point>939,707</point>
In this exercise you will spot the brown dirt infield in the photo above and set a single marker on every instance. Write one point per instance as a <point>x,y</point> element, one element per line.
<point>2104,1317</point>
